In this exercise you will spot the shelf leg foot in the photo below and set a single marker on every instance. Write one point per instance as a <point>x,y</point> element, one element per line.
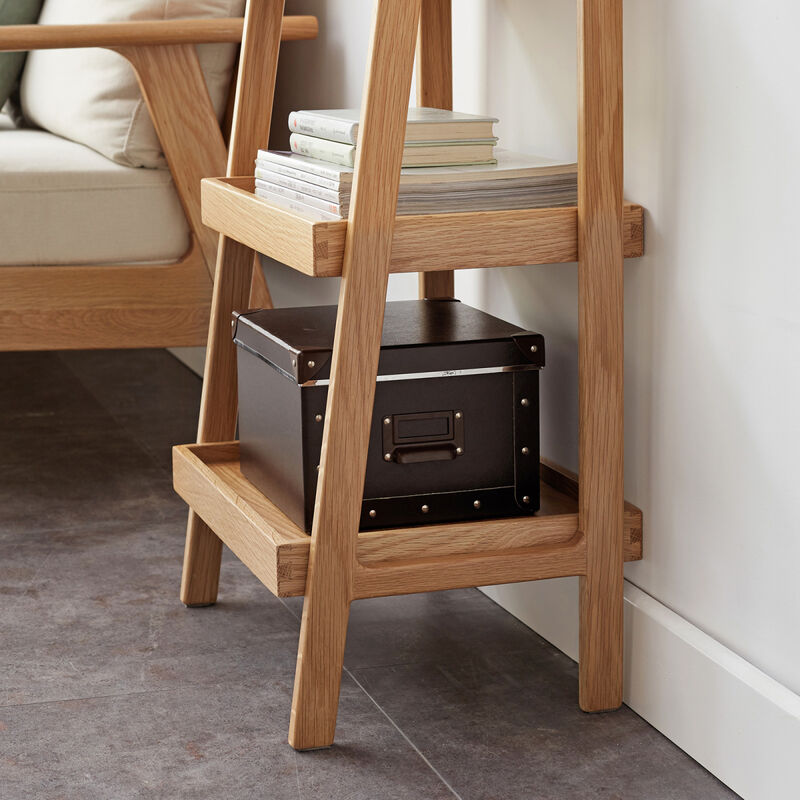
<point>320,660</point>
<point>201,562</point>
<point>601,648</point>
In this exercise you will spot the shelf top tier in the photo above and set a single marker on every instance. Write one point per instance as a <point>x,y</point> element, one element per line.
<point>421,243</point>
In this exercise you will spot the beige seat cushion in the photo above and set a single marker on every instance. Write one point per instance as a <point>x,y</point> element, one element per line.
<point>62,203</point>
<point>91,96</point>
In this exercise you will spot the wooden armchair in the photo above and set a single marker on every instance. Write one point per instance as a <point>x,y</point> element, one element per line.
<point>47,307</point>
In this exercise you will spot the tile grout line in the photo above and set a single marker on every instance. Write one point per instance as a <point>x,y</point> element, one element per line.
<point>114,696</point>
<point>403,734</point>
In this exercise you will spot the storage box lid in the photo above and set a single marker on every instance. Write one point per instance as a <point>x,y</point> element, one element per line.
<point>421,338</point>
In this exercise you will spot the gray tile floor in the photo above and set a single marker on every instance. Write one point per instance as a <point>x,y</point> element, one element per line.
<point>111,689</point>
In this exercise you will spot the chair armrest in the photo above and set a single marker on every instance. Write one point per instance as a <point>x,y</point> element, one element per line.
<point>155,32</point>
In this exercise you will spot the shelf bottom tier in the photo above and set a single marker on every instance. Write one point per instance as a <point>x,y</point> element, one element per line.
<point>397,560</point>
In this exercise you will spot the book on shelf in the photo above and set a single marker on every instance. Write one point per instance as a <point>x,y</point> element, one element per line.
<point>423,125</point>
<point>309,199</point>
<point>509,166</point>
<point>295,206</point>
<point>415,154</point>
<point>516,182</point>
<point>299,183</point>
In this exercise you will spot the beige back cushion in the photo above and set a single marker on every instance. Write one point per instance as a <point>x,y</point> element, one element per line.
<point>91,96</point>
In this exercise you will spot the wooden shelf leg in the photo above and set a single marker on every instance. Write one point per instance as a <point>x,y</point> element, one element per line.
<point>203,551</point>
<point>435,90</point>
<point>255,89</point>
<point>600,313</point>
<point>354,366</point>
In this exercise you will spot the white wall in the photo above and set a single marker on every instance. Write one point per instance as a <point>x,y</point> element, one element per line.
<point>712,326</point>
<point>712,321</point>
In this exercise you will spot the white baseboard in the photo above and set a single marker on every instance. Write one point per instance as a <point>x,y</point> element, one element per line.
<point>740,724</point>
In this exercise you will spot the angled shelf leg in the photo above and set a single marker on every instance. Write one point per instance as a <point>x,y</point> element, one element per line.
<point>348,417</point>
<point>600,357</point>
<point>255,89</point>
<point>435,90</point>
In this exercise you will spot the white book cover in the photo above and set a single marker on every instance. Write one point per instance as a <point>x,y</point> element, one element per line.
<point>297,165</point>
<point>443,153</point>
<point>323,149</point>
<point>300,197</point>
<point>424,124</point>
<point>302,185</point>
<point>509,166</point>
<point>313,214</point>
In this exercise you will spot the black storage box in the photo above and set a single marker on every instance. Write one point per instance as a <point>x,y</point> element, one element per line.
<point>455,425</point>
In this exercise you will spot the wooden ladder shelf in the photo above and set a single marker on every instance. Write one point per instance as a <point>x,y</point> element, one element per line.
<point>588,533</point>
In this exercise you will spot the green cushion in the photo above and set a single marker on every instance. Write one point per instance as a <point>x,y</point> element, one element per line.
<point>14,12</point>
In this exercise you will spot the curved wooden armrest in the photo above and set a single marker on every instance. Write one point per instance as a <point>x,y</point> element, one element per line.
<point>155,32</point>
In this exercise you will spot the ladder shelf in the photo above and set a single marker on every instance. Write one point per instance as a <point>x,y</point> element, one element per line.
<point>587,533</point>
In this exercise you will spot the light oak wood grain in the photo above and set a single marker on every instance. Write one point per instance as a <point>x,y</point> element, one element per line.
<point>260,296</point>
<point>208,477</point>
<point>255,88</point>
<point>186,124</point>
<point>600,351</point>
<point>435,90</point>
<point>110,306</point>
<point>354,366</point>
<point>429,575</point>
<point>263,538</point>
<point>147,32</point>
<point>420,243</point>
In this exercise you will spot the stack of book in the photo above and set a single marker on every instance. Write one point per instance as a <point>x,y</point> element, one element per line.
<point>317,179</point>
<point>434,138</point>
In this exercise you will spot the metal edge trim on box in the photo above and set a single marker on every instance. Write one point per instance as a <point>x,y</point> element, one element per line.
<point>448,373</point>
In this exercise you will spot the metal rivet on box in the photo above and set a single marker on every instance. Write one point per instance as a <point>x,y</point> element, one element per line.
<point>425,509</point>
<point>525,451</point>
<point>534,348</point>
<point>458,415</point>
<point>373,513</point>
<point>459,451</point>
<point>294,362</point>
<point>526,499</point>
<point>387,420</point>
<point>387,456</point>
<point>476,504</point>
<point>525,401</point>
<point>311,365</point>
<point>318,418</point>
